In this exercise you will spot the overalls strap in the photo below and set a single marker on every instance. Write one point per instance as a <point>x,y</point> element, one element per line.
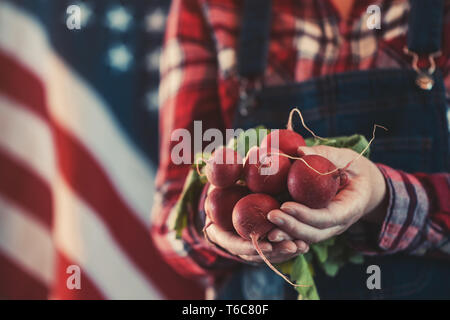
<point>254,38</point>
<point>425,26</point>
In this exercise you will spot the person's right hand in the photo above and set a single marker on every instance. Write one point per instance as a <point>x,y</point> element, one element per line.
<point>276,252</point>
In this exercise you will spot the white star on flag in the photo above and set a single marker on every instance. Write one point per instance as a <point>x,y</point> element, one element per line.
<point>153,60</point>
<point>86,13</point>
<point>155,21</point>
<point>152,99</point>
<point>118,18</point>
<point>120,58</point>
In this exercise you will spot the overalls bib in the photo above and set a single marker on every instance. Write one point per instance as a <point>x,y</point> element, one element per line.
<point>345,104</point>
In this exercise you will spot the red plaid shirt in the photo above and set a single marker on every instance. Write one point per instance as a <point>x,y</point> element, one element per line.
<point>199,82</point>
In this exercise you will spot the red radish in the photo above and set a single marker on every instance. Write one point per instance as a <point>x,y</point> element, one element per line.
<point>288,141</point>
<point>249,215</point>
<point>220,202</point>
<point>224,167</point>
<point>266,172</point>
<point>251,223</point>
<point>308,187</point>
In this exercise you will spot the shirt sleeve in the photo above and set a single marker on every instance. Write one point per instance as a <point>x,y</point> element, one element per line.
<point>188,93</point>
<point>417,220</point>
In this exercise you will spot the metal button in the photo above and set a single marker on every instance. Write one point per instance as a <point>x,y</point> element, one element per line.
<point>425,81</point>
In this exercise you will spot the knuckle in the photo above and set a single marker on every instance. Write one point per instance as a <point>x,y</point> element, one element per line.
<point>290,224</point>
<point>292,229</point>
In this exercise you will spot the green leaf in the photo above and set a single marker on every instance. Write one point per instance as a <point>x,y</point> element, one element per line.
<point>309,256</point>
<point>200,159</point>
<point>356,258</point>
<point>329,241</point>
<point>331,268</point>
<point>286,267</point>
<point>189,196</point>
<point>321,251</point>
<point>250,138</point>
<point>301,274</point>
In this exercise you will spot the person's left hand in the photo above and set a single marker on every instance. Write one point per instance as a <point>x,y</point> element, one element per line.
<point>234,244</point>
<point>363,197</point>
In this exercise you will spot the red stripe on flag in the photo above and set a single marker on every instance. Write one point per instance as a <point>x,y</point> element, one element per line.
<point>17,82</point>
<point>16,283</point>
<point>88,291</point>
<point>88,179</point>
<point>25,189</point>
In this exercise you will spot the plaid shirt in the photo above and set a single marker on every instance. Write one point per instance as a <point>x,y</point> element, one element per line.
<point>199,82</point>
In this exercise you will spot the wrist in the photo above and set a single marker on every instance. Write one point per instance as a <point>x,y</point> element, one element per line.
<point>377,208</point>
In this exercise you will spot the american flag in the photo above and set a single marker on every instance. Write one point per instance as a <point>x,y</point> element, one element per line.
<point>78,149</point>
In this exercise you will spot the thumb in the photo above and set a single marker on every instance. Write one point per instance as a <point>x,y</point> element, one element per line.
<point>339,156</point>
<point>304,151</point>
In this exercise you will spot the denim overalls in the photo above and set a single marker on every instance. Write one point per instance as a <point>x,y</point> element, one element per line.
<point>344,104</point>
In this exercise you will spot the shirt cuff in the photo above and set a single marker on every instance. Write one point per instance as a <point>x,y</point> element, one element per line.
<point>405,217</point>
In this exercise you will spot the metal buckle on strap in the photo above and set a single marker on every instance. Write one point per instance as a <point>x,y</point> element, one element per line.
<point>247,95</point>
<point>424,78</point>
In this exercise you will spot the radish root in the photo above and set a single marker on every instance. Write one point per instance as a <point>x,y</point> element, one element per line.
<point>289,124</point>
<point>337,169</point>
<point>261,254</point>
<point>197,163</point>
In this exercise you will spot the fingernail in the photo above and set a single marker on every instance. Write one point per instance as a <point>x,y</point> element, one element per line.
<point>287,251</point>
<point>277,221</point>
<point>278,238</point>
<point>303,248</point>
<point>287,208</point>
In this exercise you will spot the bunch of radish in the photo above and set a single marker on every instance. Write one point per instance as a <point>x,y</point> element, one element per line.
<point>246,191</point>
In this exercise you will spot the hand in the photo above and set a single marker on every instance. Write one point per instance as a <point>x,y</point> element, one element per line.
<point>363,197</point>
<point>234,244</point>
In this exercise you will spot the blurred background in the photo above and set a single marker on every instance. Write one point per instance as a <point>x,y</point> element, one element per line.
<point>78,150</point>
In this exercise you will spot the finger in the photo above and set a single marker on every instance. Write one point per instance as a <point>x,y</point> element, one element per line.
<point>318,218</point>
<point>339,156</point>
<point>319,150</point>
<point>349,204</point>
<point>303,151</point>
<point>300,230</point>
<point>234,243</point>
<point>281,251</point>
<point>276,235</point>
<point>302,246</point>
<point>284,248</point>
<point>284,251</point>
<point>343,209</point>
<point>251,258</point>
